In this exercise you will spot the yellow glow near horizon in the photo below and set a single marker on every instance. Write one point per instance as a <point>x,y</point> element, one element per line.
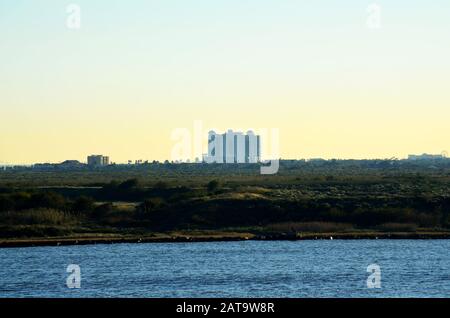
<point>333,89</point>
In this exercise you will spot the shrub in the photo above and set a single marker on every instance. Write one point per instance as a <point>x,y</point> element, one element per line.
<point>103,209</point>
<point>129,184</point>
<point>37,216</point>
<point>21,200</point>
<point>313,227</point>
<point>83,205</point>
<point>397,227</point>
<point>6,203</point>
<point>33,231</point>
<point>47,200</point>
<point>160,185</point>
<point>149,205</point>
<point>212,186</point>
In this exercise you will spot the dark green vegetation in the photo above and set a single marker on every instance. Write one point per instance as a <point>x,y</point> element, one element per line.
<point>305,197</point>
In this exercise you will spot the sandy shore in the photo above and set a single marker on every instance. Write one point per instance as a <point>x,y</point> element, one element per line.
<point>222,237</point>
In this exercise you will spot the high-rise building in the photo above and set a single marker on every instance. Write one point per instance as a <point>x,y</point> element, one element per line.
<point>233,147</point>
<point>215,148</point>
<point>253,147</point>
<point>97,160</point>
<point>228,149</point>
<point>239,147</point>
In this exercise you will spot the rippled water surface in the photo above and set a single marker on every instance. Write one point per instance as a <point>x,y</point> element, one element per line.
<point>409,268</point>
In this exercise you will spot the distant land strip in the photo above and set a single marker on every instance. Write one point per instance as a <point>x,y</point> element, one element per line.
<point>10,243</point>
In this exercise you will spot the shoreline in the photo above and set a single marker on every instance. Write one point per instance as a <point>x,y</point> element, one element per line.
<point>223,237</point>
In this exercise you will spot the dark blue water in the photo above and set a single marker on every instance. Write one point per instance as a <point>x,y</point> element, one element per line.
<point>409,268</point>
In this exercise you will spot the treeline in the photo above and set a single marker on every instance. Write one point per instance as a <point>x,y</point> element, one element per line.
<point>219,213</point>
<point>86,201</point>
<point>130,190</point>
<point>19,201</point>
<point>192,173</point>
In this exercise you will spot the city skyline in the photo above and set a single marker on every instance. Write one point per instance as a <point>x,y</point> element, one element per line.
<point>410,157</point>
<point>133,73</point>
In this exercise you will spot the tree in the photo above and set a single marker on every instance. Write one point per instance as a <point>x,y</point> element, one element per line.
<point>129,184</point>
<point>47,200</point>
<point>212,186</point>
<point>83,204</point>
<point>149,205</point>
<point>6,203</point>
<point>103,209</point>
<point>160,185</point>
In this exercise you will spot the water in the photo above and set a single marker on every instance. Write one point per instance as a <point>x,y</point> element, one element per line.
<point>409,268</point>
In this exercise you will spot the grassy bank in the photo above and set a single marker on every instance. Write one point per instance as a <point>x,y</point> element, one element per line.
<point>366,199</point>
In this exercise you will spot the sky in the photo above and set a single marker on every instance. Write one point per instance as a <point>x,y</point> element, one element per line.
<point>136,71</point>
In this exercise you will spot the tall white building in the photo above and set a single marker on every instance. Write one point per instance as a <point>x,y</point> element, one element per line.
<point>233,147</point>
<point>216,149</point>
<point>253,147</point>
<point>97,160</point>
<point>239,147</point>
<point>229,147</point>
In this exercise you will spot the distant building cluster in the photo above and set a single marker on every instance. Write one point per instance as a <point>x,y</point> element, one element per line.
<point>97,160</point>
<point>233,147</point>
<point>426,156</point>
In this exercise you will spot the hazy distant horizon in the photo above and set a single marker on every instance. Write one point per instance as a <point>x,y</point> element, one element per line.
<point>162,161</point>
